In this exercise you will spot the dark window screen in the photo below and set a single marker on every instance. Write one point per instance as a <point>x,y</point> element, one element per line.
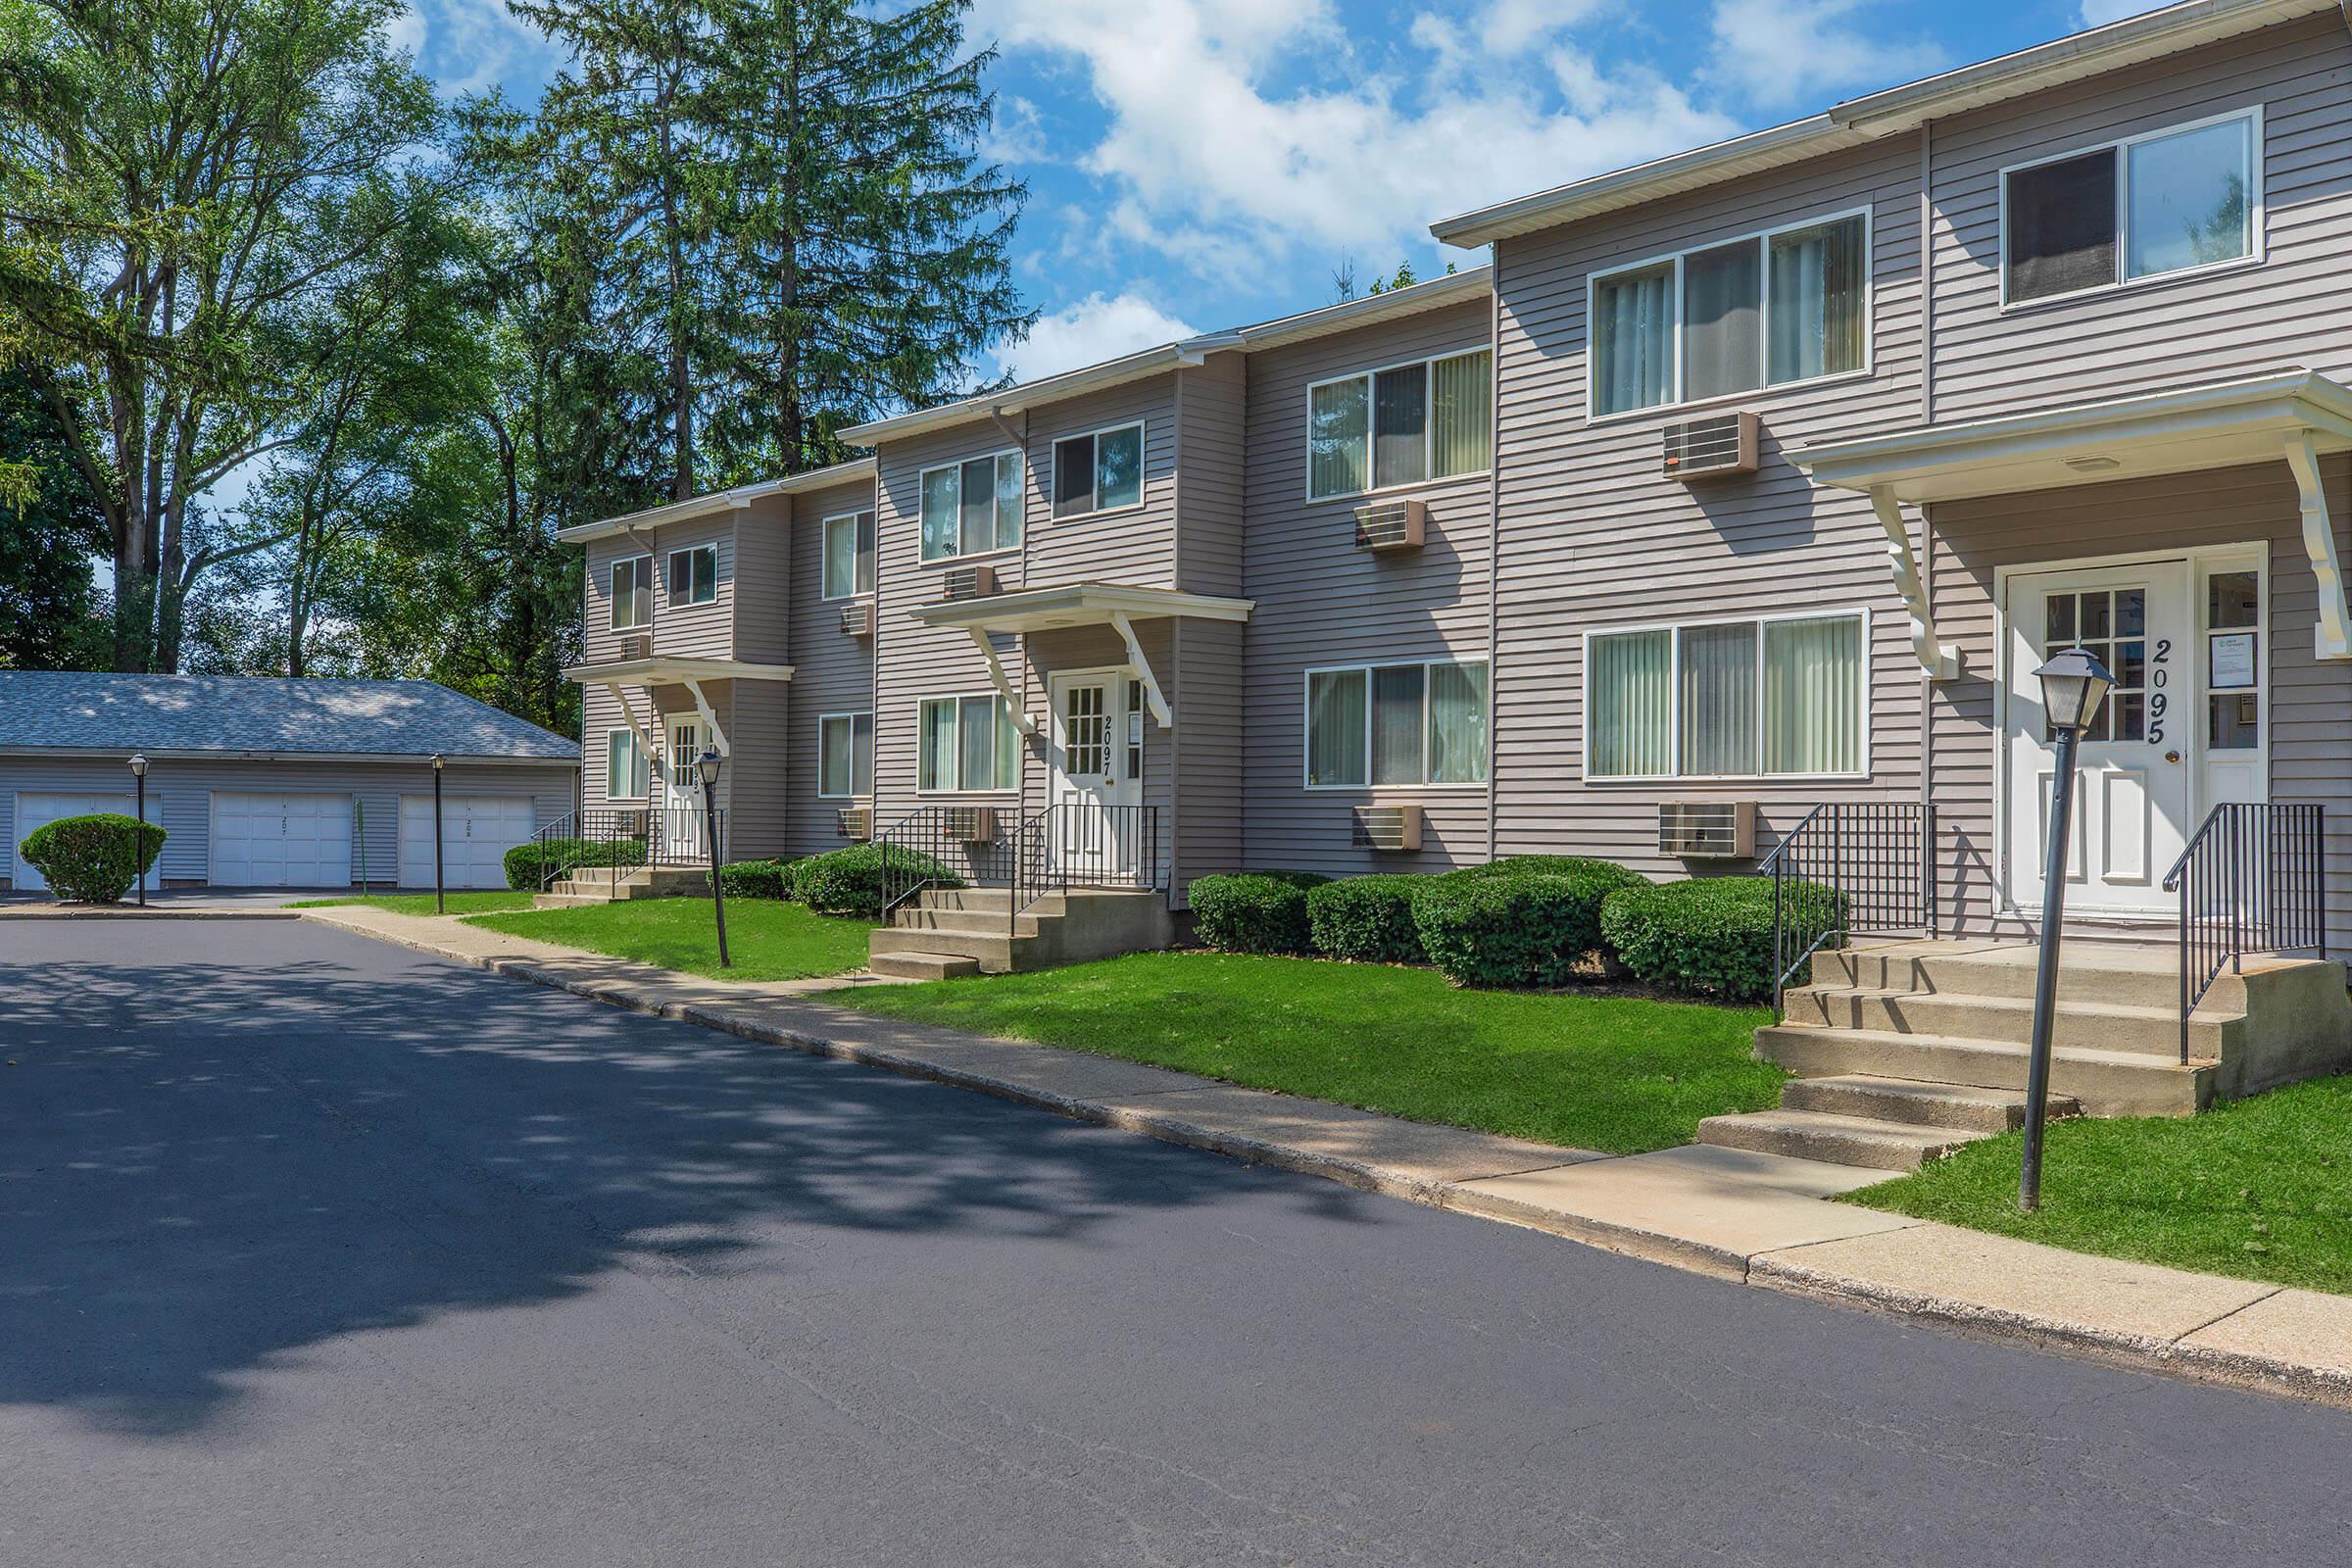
<point>2062,227</point>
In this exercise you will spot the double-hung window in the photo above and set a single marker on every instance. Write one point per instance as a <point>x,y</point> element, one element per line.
<point>965,743</point>
<point>1099,473</point>
<point>847,567</point>
<point>2171,201</point>
<point>694,575</point>
<point>1400,724</point>
<point>1737,699</point>
<point>1430,420</point>
<point>1765,309</point>
<point>628,771</point>
<point>845,755</point>
<point>632,585</point>
<point>972,508</point>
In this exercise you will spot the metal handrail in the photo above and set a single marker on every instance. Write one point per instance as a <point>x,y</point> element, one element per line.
<point>1085,843</point>
<point>2253,878</point>
<point>1849,868</point>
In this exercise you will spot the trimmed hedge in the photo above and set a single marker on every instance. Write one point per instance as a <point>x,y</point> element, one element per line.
<point>1367,920</point>
<point>755,879</point>
<point>849,881</point>
<point>1508,930</point>
<point>1253,911</point>
<point>1710,936</point>
<point>1568,865</point>
<point>526,862</point>
<point>95,858</point>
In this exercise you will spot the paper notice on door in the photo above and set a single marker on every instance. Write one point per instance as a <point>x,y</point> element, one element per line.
<point>2232,655</point>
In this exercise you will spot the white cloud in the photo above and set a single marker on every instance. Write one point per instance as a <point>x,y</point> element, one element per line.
<point>1096,327</point>
<point>469,46</point>
<point>1776,54</point>
<point>2099,13</point>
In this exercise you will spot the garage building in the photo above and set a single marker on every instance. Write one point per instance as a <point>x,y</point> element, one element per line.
<point>282,783</point>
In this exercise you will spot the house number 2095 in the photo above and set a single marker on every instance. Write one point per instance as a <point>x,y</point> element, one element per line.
<point>2157,701</point>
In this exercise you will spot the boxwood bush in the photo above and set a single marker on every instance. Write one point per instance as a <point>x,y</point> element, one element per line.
<point>1368,919</point>
<point>1508,930</point>
<point>1710,936</point>
<point>849,881</point>
<point>1253,911</point>
<point>755,879</point>
<point>526,863</point>
<point>95,858</point>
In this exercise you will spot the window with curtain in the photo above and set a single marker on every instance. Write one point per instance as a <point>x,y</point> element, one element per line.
<point>845,755</point>
<point>1099,473</point>
<point>1723,297</point>
<point>628,771</point>
<point>1632,340</point>
<point>1727,699</point>
<point>1817,289</point>
<point>848,569</point>
<point>971,507</point>
<point>965,743</point>
<point>1396,724</point>
<point>1431,420</point>
<point>632,583</point>
<point>2138,207</point>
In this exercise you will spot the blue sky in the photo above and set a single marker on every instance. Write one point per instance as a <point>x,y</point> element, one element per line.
<point>1198,164</point>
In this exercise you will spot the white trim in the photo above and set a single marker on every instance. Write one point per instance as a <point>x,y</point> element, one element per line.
<point>735,500</point>
<point>2257,248</point>
<point>995,455</point>
<point>645,756</point>
<point>1080,604</point>
<point>613,592</point>
<point>1939,660</point>
<point>1762,239</point>
<point>824,552</point>
<point>670,574</point>
<point>659,669</point>
<point>1674,711</point>
<point>1307,720</point>
<point>1054,511</point>
<point>1428,364</point>
<point>855,794</point>
<point>1019,766</point>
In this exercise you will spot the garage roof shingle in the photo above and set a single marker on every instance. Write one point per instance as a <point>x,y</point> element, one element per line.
<point>41,709</point>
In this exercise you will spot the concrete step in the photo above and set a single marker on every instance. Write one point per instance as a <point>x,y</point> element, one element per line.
<point>977,922</point>
<point>2140,975</point>
<point>997,954</point>
<point>569,901</point>
<point>1919,1104</point>
<point>2106,1083</point>
<point>923,965</point>
<point>1834,1140</point>
<point>2097,1024</point>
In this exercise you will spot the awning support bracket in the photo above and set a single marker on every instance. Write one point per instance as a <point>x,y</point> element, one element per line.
<point>702,706</point>
<point>2333,637</point>
<point>620,695</point>
<point>1938,658</point>
<point>1142,670</point>
<point>997,678</point>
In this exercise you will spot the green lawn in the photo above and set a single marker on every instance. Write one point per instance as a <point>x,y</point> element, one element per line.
<point>1596,1072</point>
<point>423,903</point>
<point>768,940</point>
<point>2258,1188</point>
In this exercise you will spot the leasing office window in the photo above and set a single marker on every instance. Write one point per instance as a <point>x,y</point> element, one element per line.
<point>848,569</point>
<point>965,743</point>
<point>1727,699</point>
<point>628,771</point>
<point>694,575</point>
<point>972,508</point>
<point>845,755</point>
<point>1396,724</point>
<point>633,592</point>
<point>1765,309</point>
<point>2168,202</point>
<point>1431,420</point>
<point>1099,473</point>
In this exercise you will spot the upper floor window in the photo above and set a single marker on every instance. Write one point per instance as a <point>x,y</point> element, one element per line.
<point>633,592</point>
<point>1396,724</point>
<point>1431,420</point>
<point>847,567</point>
<point>1765,309</point>
<point>2167,202</point>
<point>1099,473</point>
<point>694,575</point>
<point>1736,699</point>
<point>972,508</point>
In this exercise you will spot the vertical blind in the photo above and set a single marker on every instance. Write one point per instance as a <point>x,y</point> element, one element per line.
<point>1631,338</point>
<point>1457,723</point>
<point>1396,754</point>
<point>1629,705</point>
<point>1813,696</point>
<point>1338,455</point>
<point>1337,739</point>
<point>1462,414</point>
<point>1396,724</point>
<point>1734,700</point>
<point>1719,699</point>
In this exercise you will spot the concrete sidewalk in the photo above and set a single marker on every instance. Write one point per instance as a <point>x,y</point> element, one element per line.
<point>1759,1218</point>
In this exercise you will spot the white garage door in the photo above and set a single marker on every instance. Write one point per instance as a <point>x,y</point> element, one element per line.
<point>39,809</point>
<point>281,841</point>
<point>476,832</point>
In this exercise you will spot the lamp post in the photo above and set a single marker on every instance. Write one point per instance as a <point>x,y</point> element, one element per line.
<point>440,898</point>
<point>2074,684</point>
<point>139,772</point>
<point>707,764</point>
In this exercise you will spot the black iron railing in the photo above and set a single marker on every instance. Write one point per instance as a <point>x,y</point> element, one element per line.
<point>2253,879</point>
<point>1085,843</point>
<point>966,842</point>
<point>606,843</point>
<point>681,835</point>
<point>1849,870</point>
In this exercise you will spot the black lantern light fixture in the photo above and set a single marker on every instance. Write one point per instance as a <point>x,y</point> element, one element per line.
<point>2074,685</point>
<point>440,896</point>
<point>138,773</point>
<point>708,765</point>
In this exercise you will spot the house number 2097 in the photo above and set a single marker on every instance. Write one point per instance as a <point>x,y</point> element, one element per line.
<point>2157,701</point>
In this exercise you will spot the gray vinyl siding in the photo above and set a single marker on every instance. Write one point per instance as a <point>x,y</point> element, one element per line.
<point>1207,801</point>
<point>761,589</point>
<point>833,673</point>
<point>1132,545</point>
<point>679,630</point>
<point>1211,460</point>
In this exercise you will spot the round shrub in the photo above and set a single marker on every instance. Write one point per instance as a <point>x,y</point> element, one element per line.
<point>1568,865</point>
<point>95,858</point>
<point>1711,936</point>
<point>1302,880</point>
<point>1254,911</point>
<point>1368,919</point>
<point>527,864</point>
<point>753,880</point>
<point>1507,930</point>
<point>849,881</point>
<point>1577,932</point>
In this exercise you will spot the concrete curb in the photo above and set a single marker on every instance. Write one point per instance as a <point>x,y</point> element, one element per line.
<point>1785,1269</point>
<point>36,911</point>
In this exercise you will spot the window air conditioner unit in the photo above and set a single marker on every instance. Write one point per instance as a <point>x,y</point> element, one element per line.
<point>1707,830</point>
<point>1391,829</point>
<point>972,824</point>
<point>636,647</point>
<point>1711,448</point>
<point>858,617</point>
<point>853,822</point>
<point>1391,525</point>
<point>971,582</point>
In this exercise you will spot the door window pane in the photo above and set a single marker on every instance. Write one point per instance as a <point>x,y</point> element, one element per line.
<point>2191,198</point>
<point>1457,723</point>
<point>1396,724</point>
<point>1817,295</point>
<point>1338,456</point>
<point>1632,699</point>
<point>1400,425</point>
<point>2062,227</point>
<point>1135,729</point>
<point>1336,738</point>
<point>1086,732</point>
<point>1721,298</point>
<point>1119,469</point>
<point>1719,699</point>
<point>941,500</point>
<point>1461,415</point>
<point>2233,599</point>
<point>1813,696</point>
<point>1633,339</point>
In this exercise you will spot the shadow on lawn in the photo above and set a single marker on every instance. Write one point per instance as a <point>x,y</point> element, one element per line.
<point>255,1143</point>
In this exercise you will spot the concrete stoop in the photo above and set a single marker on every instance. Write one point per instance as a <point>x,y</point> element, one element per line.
<point>589,885</point>
<point>1904,1052</point>
<point>960,931</point>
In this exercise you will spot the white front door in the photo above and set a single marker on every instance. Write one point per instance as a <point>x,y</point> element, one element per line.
<point>1097,774</point>
<point>476,831</point>
<point>683,744</point>
<point>39,808</point>
<point>2136,767</point>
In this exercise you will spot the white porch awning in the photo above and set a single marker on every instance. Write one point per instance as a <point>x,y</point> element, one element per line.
<point>617,675</point>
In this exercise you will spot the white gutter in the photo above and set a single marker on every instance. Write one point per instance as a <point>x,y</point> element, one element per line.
<point>718,501</point>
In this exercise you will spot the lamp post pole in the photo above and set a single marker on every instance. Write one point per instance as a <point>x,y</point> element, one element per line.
<point>707,764</point>
<point>440,896</point>
<point>138,773</point>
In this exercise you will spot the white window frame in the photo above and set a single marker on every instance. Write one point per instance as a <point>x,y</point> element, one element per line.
<point>1306,720</point>
<point>1019,753</point>
<point>1762,239</point>
<point>959,464</point>
<point>1674,692</point>
<point>613,600</point>
<point>861,583</point>
<point>852,719</point>
<point>1429,425</point>
<point>644,759</point>
<point>1142,485</point>
<point>2121,146</point>
<point>669,573</point>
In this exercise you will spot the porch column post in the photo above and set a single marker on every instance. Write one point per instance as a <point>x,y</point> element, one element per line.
<point>2333,637</point>
<point>1938,658</point>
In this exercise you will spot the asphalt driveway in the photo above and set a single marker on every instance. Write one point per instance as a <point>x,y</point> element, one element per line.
<point>317,1252</point>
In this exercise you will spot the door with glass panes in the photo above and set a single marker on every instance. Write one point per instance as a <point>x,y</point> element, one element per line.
<point>1097,751</point>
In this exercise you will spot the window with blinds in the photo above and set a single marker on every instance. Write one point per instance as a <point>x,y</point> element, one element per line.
<point>1401,426</point>
<point>1783,696</point>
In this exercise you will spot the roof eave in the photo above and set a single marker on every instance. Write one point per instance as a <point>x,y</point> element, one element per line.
<point>717,501</point>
